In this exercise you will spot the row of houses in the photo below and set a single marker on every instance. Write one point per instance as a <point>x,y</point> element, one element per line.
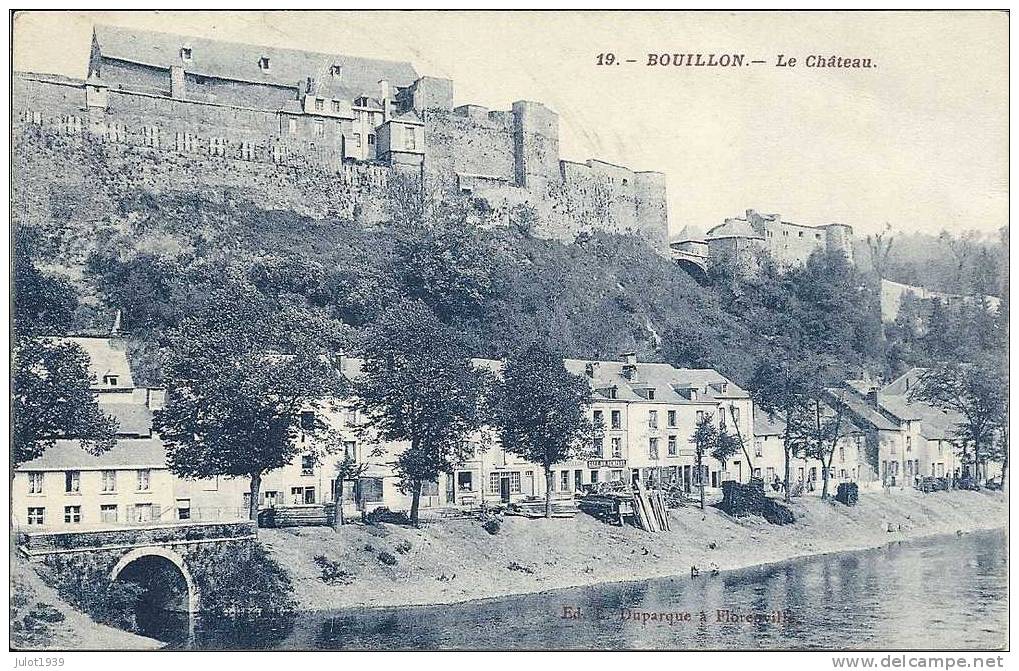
<point>646,414</point>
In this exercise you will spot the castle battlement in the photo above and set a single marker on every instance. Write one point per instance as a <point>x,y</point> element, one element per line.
<point>360,119</point>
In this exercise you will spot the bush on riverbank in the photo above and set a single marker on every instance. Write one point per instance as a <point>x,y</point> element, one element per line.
<point>242,579</point>
<point>743,500</point>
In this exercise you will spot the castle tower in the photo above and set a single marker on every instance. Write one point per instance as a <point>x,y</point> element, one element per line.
<point>840,237</point>
<point>535,145</point>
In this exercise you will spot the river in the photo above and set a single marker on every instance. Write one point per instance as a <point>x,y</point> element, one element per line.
<point>946,592</point>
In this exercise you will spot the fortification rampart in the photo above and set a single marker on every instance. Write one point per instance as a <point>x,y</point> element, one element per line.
<point>122,139</point>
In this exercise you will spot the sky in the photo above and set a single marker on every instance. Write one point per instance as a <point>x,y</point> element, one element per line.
<point>920,141</point>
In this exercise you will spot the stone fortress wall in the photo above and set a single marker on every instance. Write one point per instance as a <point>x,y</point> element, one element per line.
<point>172,131</point>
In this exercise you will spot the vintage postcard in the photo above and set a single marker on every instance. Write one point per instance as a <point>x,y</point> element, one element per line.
<point>475,331</point>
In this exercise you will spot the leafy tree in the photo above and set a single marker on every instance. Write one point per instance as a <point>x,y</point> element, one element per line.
<point>238,374</point>
<point>819,430</point>
<point>418,385</point>
<point>51,385</point>
<point>781,389</point>
<point>880,246</point>
<point>52,398</point>
<point>725,447</point>
<point>705,439</point>
<point>43,304</point>
<point>539,410</point>
<point>979,393</point>
<point>350,468</point>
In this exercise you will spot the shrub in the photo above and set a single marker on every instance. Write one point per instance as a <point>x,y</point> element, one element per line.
<point>492,526</point>
<point>332,574</point>
<point>387,558</point>
<point>848,493</point>
<point>403,547</point>
<point>742,500</point>
<point>383,514</point>
<point>514,566</point>
<point>46,613</point>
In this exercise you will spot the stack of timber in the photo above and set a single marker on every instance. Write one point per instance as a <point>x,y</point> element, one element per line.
<point>650,512</point>
<point>609,507</point>
<point>535,507</point>
<point>296,516</point>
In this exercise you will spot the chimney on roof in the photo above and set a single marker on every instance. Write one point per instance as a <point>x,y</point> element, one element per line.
<point>118,338</point>
<point>629,364</point>
<point>155,398</point>
<point>384,98</point>
<point>177,83</point>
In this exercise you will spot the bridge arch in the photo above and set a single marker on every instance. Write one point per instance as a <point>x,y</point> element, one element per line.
<point>169,555</point>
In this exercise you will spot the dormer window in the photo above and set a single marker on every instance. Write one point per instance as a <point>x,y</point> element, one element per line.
<point>110,380</point>
<point>185,54</point>
<point>263,63</point>
<point>320,105</point>
<point>611,392</point>
<point>336,70</point>
<point>361,102</point>
<point>650,394</point>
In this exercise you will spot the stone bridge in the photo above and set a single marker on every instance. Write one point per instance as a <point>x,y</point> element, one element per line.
<point>119,552</point>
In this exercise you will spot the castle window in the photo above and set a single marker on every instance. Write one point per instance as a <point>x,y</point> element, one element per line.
<point>625,181</point>
<point>320,104</point>
<point>150,136</point>
<point>817,235</point>
<point>336,106</point>
<point>800,234</point>
<point>185,54</point>
<point>336,70</point>
<point>371,139</point>
<point>263,63</point>
<point>320,129</point>
<point>410,139</point>
<point>357,139</point>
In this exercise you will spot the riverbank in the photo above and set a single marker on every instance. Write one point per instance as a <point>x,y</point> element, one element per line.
<point>456,560</point>
<point>41,620</point>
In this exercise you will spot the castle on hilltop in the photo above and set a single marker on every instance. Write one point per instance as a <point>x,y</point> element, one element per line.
<point>319,133</point>
<point>740,239</point>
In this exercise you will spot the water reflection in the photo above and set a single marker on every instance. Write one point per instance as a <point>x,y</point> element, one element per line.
<point>947,593</point>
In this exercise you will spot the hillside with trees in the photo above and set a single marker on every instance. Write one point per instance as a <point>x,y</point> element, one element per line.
<point>158,257</point>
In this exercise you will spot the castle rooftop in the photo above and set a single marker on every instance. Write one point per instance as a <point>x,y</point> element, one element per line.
<point>244,62</point>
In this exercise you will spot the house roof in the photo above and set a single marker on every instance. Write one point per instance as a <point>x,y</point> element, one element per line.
<point>668,382</point>
<point>133,419</point>
<point>766,425</point>
<point>104,360</point>
<point>240,62</point>
<point>126,453</point>
<point>733,228</point>
<point>864,412</point>
<point>904,382</point>
<point>690,233</point>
